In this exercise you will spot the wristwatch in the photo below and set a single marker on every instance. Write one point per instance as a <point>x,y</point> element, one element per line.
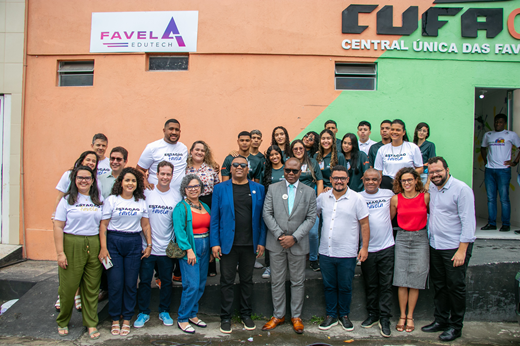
<point>149,245</point>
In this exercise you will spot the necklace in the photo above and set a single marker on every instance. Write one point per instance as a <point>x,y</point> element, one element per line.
<point>399,150</point>
<point>417,194</point>
<point>198,207</point>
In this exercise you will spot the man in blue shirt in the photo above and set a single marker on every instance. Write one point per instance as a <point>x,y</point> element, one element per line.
<point>452,226</point>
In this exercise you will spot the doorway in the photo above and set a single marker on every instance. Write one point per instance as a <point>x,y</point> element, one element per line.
<point>488,103</point>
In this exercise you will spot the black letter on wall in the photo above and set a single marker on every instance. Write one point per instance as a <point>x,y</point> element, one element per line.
<point>385,21</point>
<point>493,25</point>
<point>430,19</point>
<point>349,18</point>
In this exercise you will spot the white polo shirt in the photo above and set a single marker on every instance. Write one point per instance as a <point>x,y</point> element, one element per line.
<point>340,231</point>
<point>381,234</point>
<point>499,147</point>
<point>365,147</point>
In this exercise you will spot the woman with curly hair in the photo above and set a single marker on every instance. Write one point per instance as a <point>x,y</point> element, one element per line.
<point>274,163</point>
<point>281,139</point>
<point>201,163</point>
<point>328,156</point>
<point>357,161</point>
<point>310,141</point>
<point>125,217</point>
<point>412,250</point>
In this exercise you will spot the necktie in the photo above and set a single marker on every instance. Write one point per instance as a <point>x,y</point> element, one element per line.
<point>291,197</point>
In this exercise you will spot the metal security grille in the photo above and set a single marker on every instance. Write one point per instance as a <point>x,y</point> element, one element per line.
<point>355,76</point>
<point>76,73</point>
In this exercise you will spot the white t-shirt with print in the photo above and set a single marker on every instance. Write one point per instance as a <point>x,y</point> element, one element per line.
<point>160,150</point>
<point>390,159</point>
<point>499,146</point>
<point>381,234</point>
<point>103,167</point>
<point>160,210</point>
<point>81,218</point>
<point>124,214</point>
<point>64,183</point>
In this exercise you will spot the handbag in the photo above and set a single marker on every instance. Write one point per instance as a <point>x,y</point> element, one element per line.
<point>173,250</point>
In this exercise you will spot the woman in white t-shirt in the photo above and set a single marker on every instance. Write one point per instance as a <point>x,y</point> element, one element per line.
<point>398,154</point>
<point>125,216</point>
<point>76,236</point>
<point>89,159</point>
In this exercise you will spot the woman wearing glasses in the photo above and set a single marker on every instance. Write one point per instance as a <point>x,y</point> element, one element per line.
<point>76,236</point>
<point>191,220</point>
<point>412,251</point>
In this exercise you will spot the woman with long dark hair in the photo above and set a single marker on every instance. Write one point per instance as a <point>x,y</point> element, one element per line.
<point>76,236</point>
<point>125,218</point>
<point>328,156</point>
<point>357,161</point>
<point>280,138</point>
<point>311,143</point>
<point>398,154</point>
<point>312,177</point>
<point>412,249</point>
<point>420,136</point>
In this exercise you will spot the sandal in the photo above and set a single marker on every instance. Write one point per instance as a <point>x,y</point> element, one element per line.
<point>125,329</point>
<point>400,327</point>
<point>115,328</point>
<point>200,323</point>
<point>57,304</point>
<point>409,329</point>
<point>65,331</point>
<point>77,302</point>
<point>95,331</point>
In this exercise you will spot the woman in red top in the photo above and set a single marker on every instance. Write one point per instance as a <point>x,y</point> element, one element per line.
<point>412,251</point>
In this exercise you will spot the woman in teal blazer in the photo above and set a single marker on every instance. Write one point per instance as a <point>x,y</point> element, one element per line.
<point>191,222</point>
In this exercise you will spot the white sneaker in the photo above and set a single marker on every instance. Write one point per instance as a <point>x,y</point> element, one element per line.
<point>258,265</point>
<point>267,273</point>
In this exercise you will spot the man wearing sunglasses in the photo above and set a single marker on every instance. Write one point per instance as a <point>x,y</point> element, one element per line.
<point>118,159</point>
<point>237,237</point>
<point>343,212</point>
<point>289,214</point>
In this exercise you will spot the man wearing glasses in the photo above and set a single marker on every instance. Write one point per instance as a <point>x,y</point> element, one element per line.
<point>237,237</point>
<point>451,226</point>
<point>118,160</point>
<point>343,212</point>
<point>289,214</point>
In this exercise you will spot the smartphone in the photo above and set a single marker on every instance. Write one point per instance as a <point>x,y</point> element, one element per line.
<point>107,263</point>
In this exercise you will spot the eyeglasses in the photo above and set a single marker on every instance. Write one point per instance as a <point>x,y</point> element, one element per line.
<point>83,178</point>
<point>117,159</point>
<point>289,171</point>
<point>436,172</point>
<point>406,181</point>
<point>298,149</point>
<point>339,178</point>
<point>193,187</point>
<point>236,165</point>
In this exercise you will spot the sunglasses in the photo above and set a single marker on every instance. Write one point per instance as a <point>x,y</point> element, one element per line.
<point>236,165</point>
<point>117,159</point>
<point>293,171</point>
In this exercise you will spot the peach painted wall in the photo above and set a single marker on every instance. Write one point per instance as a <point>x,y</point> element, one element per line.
<point>259,64</point>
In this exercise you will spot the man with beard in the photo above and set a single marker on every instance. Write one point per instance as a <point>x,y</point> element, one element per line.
<point>452,234</point>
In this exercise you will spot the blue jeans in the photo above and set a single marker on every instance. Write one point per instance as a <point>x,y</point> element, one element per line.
<point>314,241</point>
<point>497,180</point>
<point>337,274</point>
<point>165,267</point>
<point>125,250</point>
<point>193,280</point>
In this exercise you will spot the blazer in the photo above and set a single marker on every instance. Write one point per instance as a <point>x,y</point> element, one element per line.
<point>183,227</point>
<point>223,216</point>
<point>298,224</point>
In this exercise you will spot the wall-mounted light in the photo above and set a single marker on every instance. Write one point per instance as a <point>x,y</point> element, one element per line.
<point>482,94</point>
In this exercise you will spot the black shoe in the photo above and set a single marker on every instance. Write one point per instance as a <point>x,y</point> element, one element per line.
<point>450,334</point>
<point>505,229</point>
<point>248,323</point>
<point>435,327</point>
<point>315,266</point>
<point>370,321</point>
<point>488,227</point>
<point>346,324</point>
<point>225,326</point>
<point>328,323</point>
<point>384,325</point>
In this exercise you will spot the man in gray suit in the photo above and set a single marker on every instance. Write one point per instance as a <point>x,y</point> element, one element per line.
<point>289,214</point>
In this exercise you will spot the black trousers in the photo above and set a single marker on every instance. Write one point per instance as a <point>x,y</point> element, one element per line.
<point>449,284</point>
<point>244,257</point>
<point>378,270</point>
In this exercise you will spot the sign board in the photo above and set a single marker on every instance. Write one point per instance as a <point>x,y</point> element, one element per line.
<point>169,31</point>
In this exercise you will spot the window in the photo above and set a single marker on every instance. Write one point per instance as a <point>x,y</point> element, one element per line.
<point>76,73</point>
<point>168,63</point>
<point>355,76</point>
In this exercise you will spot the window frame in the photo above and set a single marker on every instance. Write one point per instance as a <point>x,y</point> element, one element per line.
<point>355,74</point>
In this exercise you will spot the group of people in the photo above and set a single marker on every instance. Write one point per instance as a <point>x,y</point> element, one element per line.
<point>123,219</point>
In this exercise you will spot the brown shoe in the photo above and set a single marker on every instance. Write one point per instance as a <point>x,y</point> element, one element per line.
<point>297,325</point>
<point>273,323</point>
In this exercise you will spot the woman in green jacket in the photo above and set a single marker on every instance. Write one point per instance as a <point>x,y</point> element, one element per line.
<point>191,220</point>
